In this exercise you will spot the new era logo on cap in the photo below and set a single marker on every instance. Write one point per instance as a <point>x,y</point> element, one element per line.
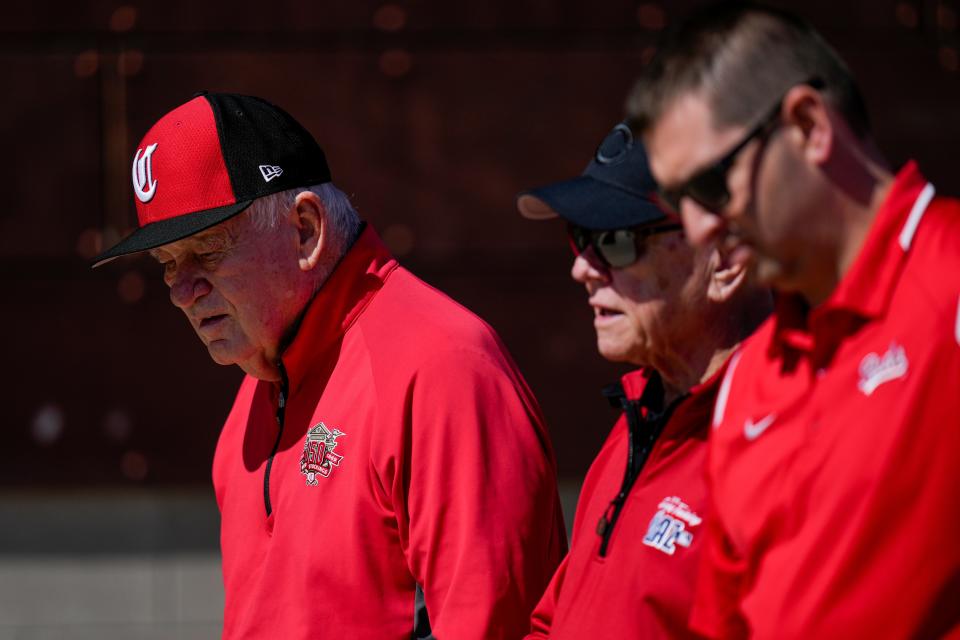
<point>270,171</point>
<point>194,169</point>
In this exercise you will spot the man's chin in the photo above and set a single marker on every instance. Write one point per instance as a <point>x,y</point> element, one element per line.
<point>222,353</point>
<point>768,271</point>
<point>252,361</point>
<point>612,353</point>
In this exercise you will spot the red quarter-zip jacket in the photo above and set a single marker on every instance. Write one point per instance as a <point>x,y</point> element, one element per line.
<point>637,534</point>
<point>835,461</point>
<point>402,450</point>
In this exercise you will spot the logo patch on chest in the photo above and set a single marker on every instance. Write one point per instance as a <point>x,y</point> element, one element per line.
<point>318,457</point>
<point>876,369</point>
<point>668,527</point>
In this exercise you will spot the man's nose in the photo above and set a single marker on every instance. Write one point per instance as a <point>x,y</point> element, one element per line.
<point>586,269</point>
<point>187,285</point>
<point>700,226</point>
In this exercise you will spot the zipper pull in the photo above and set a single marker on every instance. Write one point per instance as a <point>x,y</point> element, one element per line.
<point>282,395</point>
<point>602,525</point>
<point>605,520</point>
<point>284,384</point>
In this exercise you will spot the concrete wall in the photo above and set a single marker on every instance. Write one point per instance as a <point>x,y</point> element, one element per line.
<point>117,565</point>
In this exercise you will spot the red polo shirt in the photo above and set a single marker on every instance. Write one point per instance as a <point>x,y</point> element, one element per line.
<point>835,464</point>
<point>403,450</point>
<point>638,580</point>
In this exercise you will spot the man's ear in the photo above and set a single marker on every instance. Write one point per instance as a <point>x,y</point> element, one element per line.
<point>814,128</point>
<point>725,278</point>
<point>309,217</point>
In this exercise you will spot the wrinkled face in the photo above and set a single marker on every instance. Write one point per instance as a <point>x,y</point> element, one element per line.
<point>649,312</point>
<point>237,286</point>
<point>762,223</point>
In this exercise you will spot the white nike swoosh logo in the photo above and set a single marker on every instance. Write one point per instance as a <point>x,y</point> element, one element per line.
<point>753,430</point>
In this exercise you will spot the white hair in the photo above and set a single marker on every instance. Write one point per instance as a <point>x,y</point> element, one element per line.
<point>342,223</point>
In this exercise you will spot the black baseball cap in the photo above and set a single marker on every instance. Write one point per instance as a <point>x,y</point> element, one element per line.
<point>615,191</point>
<point>208,160</point>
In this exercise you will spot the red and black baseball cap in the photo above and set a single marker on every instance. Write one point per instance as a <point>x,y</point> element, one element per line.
<point>208,160</point>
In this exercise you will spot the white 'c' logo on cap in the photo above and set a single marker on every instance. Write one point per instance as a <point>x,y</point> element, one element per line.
<point>143,183</point>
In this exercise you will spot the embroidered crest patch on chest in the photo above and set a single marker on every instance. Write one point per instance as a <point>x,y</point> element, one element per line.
<point>669,526</point>
<point>318,457</point>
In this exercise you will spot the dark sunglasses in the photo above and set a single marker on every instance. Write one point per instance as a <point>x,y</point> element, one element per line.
<point>708,187</point>
<point>616,248</point>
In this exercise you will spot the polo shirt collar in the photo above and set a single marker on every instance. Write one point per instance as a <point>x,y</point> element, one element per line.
<point>867,287</point>
<point>635,382</point>
<point>338,303</point>
<point>643,385</point>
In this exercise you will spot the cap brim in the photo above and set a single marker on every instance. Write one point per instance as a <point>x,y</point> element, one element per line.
<point>589,203</point>
<point>157,234</point>
<point>534,208</point>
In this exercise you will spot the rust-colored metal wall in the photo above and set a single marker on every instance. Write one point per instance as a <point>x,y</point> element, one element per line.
<point>433,115</point>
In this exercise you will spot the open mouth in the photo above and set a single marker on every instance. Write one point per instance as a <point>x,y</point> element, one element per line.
<point>604,312</point>
<point>212,320</point>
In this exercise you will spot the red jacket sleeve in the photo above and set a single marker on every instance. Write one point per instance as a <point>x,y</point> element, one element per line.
<point>485,526</point>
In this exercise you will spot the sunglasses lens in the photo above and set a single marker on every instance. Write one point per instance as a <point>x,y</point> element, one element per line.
<point>618,248</point>
<point>709,189</point>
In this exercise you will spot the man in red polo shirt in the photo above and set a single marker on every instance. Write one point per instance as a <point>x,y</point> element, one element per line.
<point>676,313</point>
<point>835,462</point>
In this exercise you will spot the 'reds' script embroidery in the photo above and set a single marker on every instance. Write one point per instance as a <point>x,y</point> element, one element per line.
<point>876,370</point>
<point>318,457</point>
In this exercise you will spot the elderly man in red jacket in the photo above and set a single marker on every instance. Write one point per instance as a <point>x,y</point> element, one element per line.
<point>384,472</point>
<point>676,313</point>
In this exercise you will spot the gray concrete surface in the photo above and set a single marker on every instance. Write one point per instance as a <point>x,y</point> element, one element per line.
<point>176,595</point>
<point>117,565</point>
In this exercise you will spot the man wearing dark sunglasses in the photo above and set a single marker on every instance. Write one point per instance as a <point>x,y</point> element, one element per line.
<point>676,313</point>
<point>835,462</point>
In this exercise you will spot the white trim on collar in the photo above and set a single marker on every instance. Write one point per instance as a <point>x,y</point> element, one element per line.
<point>916,214</point>
<point>956,330</point>
<point>721,405</point>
